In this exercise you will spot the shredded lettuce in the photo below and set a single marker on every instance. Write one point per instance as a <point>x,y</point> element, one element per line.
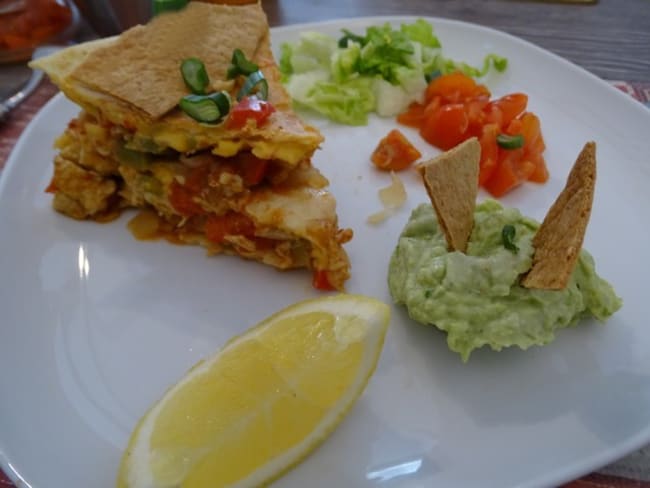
<point>383,71</point>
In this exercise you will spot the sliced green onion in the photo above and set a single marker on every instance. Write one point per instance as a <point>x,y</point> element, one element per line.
<point>159,6</point>
<point>510,142</point>
<point>222,99</point>
<point>195,75</point>
<point>203,108</point>
<point>239,65</point>
<point>508,238</point>
<point>255,84</point>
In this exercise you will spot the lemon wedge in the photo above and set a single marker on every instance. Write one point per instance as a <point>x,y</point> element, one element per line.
<point>256,408</point>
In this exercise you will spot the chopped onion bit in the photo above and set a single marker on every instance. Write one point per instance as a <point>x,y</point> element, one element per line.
<point>392,198</point>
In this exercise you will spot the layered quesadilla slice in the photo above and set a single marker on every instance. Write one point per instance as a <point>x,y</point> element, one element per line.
<point>133,82</point>
<point>244,187</point>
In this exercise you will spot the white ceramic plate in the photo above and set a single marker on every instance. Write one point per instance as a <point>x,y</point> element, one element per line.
<point>96,325</point>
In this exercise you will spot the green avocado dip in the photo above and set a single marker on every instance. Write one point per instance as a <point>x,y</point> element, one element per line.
<point>475,297</point>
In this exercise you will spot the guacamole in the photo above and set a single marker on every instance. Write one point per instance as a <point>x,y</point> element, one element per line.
<point>475,297</point>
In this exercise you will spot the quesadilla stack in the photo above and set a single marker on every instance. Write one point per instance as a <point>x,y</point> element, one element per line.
<point>242,184</point>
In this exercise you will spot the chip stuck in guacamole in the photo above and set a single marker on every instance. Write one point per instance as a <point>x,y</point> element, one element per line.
<point>481,297</point>
<point>475,297</point>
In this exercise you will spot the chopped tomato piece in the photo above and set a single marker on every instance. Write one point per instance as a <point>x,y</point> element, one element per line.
<point>182,199</point>
<point>394,152</point>
<point>510,106</point>
<point>457,108</point>
<point>218,227</point>
<point>249,108</point>
<point>181,196</point>
<point>503,179</point>
<point>446,127</point>
<point>251,168</point>
<point>454,88</point>
<point>413,116</point>
<point>489,152</point>
<point>540,174</point>
<point>320,281</point>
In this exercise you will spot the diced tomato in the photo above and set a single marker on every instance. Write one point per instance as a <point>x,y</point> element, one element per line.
<point>394,152</point>
<point>475,116</point>
<point>182,199</point>
<point>414,116</point>
<point>196,179</point>
<point>510,106</point>
<point>540,174</point>
<point>446,127</point>
<point>503,179</point>
<point>455,88</point>
<point>489,152</point>
<point>218,227</point>
<point>249,108</point>
<point>181,196</point>
<point>251,168</point>
<point>320,281</point>
<point>457,108</point>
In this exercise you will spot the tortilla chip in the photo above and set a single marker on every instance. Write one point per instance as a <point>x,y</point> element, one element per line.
<point>559,239</point>
<point>142,67</point>
<point>451,180</point>
<point>60,64</point>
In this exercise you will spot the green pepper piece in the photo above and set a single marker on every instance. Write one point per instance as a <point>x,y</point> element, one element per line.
<point>135,159</point>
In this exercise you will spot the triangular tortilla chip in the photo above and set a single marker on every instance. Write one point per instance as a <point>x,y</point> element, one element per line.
<point>142,66</point>
<point>451,180</point>
<point>559,239</point>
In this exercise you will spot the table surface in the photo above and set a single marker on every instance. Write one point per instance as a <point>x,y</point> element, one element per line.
<point>610,38</point>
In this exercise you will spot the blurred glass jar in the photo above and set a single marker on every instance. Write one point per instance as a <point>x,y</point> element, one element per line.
<point>110,17</point>
<point>27,24</point>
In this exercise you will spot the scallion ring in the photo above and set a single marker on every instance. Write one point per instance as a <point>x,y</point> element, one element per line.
<point>239,65</point>
<point>222,99</point>
<point>510,142</point>
<point>203,108</point>
<point>255,84</point>
<point>195,75</point>
<point>160,6</point>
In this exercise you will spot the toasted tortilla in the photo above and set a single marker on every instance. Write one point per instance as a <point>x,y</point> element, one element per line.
<point>284,137</point>
<point>451,180</point>
<point>559,239</point>
<point>142,66</point>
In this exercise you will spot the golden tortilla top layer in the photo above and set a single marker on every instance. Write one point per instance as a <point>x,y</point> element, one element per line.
<point>142,66</point>
<point>134,81</point>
